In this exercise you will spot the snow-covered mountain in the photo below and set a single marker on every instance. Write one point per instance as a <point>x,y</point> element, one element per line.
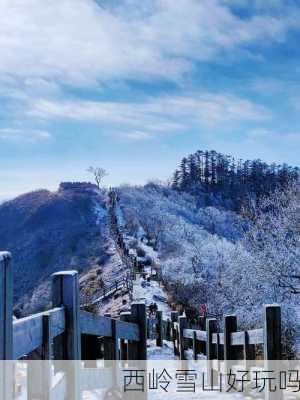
<point>50,231</point>
<point>232,262</point>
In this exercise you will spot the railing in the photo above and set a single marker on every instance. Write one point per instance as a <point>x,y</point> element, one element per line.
<point>224,347</point>
<point>65,333</point>
<point>108,290</point>
<point>232,343</point>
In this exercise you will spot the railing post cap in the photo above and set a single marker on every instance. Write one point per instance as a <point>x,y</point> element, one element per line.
<point>140,302</point>
<point>65,273</point>
<point>4,255</point>
<point>271,305</point>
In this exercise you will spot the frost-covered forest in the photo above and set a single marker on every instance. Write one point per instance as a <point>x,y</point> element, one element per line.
<point>234,261</point>
<point>220,179</point>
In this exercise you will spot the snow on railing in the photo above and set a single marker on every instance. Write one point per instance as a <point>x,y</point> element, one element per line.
<point>64,333</point>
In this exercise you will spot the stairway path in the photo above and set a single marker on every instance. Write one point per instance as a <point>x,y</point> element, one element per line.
<point>163,358</point>
<point>150,294</point>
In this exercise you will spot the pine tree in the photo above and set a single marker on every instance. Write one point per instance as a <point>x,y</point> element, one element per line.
<point>176,180</point>
<point>192,169</point>
<point>184,175</point>
<point>237,180</point>
<point>206,168</point>
<point>213,166</point>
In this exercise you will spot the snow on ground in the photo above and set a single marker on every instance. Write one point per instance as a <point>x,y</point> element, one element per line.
<point>154,292</point>
<point>160,353</point>
<point>163,358</point>
<point>150,294</point>
<point>159,358</point>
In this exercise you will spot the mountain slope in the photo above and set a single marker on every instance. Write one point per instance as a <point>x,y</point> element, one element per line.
<point>214,256</point>
<point>51,231</point>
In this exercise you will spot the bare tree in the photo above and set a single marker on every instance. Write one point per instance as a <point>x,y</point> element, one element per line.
<point>98,173</point>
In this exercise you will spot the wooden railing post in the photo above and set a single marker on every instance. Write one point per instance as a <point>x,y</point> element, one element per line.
<point>230,326</point>
<point>174,318</point>
<point>272,345</point>
<point>6,320</point>
<point>272,332</point>
<point>65,292</point>
<point>89,350</point>
<point>6,306</point>
<point>124,316</point>
<point>159,339</point>
<point>248,352</point>
<point>168,329</point>
<point>195,345</point>
<point>182,325</point>
<point>130,351</point>
<point>138,350</point>
<point>110,348</point>
<point>115,339</point>
<point>211,327</point>
<point>139,316</point>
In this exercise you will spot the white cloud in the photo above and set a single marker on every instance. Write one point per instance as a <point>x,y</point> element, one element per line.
<point>270,145</point>
<point>23,136</point>
<point>154,116</point>
<point>45,45</point>
<point>138,135</point>
<point>269,135</point>
<point>259,133</point>
<point>79,43</point>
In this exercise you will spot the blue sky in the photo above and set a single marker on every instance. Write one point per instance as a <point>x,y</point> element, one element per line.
<point>133,86</point>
